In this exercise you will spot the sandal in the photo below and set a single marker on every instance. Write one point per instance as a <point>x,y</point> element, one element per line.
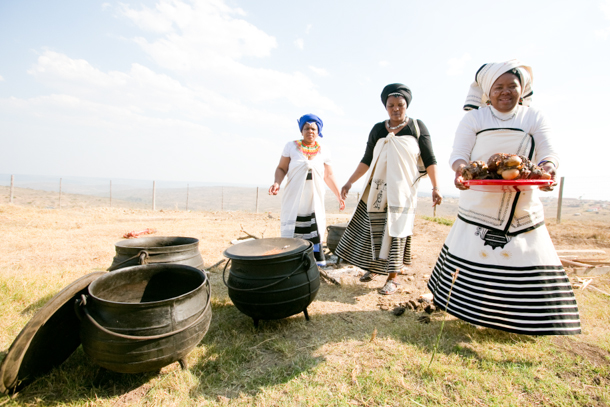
<point>368,276</point>
<point>389,288</point>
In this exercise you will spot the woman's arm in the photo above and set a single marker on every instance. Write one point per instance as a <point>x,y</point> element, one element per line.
<point>437,198</point>
<point>329,179</point>
<point>546,154</point>
<point>280,173</point>
<point>457,167</point>
<point>465,138</point>
<point>361,169</point>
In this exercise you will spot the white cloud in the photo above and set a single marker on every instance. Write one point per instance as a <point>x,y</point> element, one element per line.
<point>204,42</point>
<point>308,28</point>
<point>456,65</point>
<point>605,8</point>
<point>1,78</point>
<point>300,44</point>
<point>140,91</point>
<point>604,32</point>
<point>319,71</point>
<point>205,28</point>
<point>384,63</point>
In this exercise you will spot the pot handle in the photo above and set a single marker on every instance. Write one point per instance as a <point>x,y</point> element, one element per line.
<point>305,261</point>
<point>142,259</point>
<point>82,305</point>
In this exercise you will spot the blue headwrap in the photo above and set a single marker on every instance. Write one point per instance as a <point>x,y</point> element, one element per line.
<point>311,118</point>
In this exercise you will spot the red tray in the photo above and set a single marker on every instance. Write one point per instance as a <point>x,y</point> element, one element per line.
<point>502,185</point>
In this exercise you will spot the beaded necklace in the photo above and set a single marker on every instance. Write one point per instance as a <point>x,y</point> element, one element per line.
<point>308,151</point>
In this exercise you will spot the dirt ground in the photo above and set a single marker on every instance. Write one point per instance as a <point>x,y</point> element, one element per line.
<point>47,249</point>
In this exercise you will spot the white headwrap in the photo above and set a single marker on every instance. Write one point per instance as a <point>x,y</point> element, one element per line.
<point>478,94</point>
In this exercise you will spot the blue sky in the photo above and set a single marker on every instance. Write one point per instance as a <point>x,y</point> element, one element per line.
<point>209,91</point>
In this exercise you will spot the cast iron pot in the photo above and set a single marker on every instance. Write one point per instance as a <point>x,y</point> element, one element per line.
<point>161,249</point>
<point>335,232</point>
<point>272,278</point>
<point>142,318</point>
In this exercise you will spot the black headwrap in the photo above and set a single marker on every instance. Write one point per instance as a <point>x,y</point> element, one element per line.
<point>400,89</point>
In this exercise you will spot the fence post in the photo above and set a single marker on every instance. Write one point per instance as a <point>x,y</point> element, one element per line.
<point>560,199</point>
<point>187,197</point>
<point>12,186</point>
<point>154,193</point>
<point>222,198</point>
<point>60,193</point>
<point>111,193</point>
<point>256,199</point>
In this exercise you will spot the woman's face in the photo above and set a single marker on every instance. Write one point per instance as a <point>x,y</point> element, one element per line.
<point>310,133</point>
<point>397,109</point>
<point>505,92</point>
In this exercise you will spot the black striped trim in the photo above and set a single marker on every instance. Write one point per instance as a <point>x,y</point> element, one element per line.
<point>362,239</point>
<point>476,75</point>
<point>471,222</point>
<point>508,298</point>
<point>499,128</point>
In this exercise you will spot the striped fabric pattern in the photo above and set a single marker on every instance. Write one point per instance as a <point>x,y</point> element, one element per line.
<point>362,239</point>
<point>306,228</point>
<point>533,300</point>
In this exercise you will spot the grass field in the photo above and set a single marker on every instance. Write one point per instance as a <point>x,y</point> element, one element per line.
<point>354,351</point>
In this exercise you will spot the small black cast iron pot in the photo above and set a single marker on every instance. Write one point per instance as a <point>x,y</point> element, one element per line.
<point>272,278</point>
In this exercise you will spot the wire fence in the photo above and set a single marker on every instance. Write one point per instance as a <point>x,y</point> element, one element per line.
<point>583,197</point>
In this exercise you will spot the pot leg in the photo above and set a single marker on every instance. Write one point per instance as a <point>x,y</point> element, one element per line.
<point>255,320</point>
<point>306,314</point>
<point>183,364</point>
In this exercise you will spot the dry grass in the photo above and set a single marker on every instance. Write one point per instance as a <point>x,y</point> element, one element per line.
<point>329,360</point>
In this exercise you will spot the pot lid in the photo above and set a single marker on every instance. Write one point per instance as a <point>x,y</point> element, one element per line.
<point>47,340</point>
<point>269,248</point>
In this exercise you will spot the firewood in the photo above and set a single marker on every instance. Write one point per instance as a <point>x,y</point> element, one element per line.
<point>570,263</point>
<point>330,279</point>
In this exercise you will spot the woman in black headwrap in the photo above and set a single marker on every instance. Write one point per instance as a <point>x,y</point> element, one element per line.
<point>398,153</point>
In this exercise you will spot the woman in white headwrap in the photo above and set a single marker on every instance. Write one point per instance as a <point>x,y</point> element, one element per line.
<point>307,165</point>
<point>398,153</point>
<point>510,277</point>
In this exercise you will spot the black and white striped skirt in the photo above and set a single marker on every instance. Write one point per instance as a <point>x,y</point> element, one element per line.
<point>306,226</point>
<point>361,242</point>
<point>512,283</point>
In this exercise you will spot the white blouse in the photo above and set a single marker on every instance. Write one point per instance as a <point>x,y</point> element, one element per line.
<point>291,150</point>
<point>528,119</point>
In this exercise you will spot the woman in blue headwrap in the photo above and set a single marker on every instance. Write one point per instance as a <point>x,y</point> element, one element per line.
<point>398,153</point>
<point>307,166</point>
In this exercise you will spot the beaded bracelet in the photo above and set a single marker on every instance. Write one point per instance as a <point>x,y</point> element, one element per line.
<point>435,189</point>
<point>546,161</point>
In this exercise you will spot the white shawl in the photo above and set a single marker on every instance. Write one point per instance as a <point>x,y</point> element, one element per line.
<point>296,178</point>
<point>478,94</point>
<point>507,212</point>
<point>392,180</point>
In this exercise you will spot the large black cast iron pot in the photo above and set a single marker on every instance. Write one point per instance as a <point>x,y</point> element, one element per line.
<point>272,278</point>
<point>152,250</point>
<point>142,318</point>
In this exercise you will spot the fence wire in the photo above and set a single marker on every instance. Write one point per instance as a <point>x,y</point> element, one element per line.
<point>582,196</point>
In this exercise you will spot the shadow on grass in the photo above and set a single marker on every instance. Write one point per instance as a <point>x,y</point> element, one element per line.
<point>31,309</point>
<point>236,359</point>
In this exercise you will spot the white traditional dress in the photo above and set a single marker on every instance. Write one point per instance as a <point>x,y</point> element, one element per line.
<point>510,277</point>
<point>376,238</point>
<point>303,215</point>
